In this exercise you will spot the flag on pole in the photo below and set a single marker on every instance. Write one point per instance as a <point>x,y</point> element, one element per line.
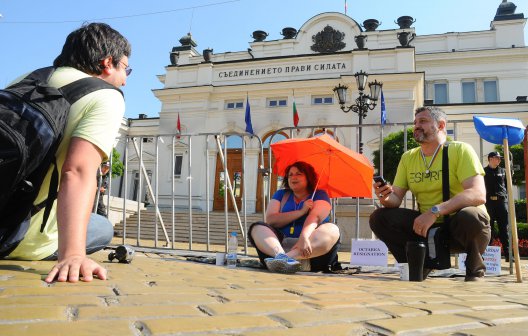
<point>346,7</point>
<point>178,127</point>
<point>295,114</point>
<point>249,127</point>
<point>383,110</point>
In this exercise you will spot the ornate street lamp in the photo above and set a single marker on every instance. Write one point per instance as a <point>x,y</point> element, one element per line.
<point>363,103</point>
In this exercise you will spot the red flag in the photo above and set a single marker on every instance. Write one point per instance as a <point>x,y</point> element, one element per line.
<point>178,126</point>
<point>295,115</point>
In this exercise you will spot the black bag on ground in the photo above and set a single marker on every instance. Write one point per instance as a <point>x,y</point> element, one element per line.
<point>33,117</point>
<point>438,254</point>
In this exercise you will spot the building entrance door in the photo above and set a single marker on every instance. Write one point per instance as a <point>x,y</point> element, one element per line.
<point>234,169</point>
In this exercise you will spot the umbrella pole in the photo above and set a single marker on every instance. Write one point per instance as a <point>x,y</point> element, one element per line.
<point>514,243</point>
<point>316,185</point>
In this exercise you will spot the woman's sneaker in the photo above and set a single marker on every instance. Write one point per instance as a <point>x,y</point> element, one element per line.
<point>282,264</point>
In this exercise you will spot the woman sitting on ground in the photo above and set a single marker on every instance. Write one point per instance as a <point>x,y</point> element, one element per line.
<point>298,234</point>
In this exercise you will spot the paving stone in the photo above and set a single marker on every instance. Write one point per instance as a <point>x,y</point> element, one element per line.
<point>505,329</point>
<point>481,305</point>
<point>80,328</point>
<point>279,296</point>
<point>319,317</point>
<point>41,313</point>
<point>137,312</point>
<point>207,323</point>
<point>252,308</point>
<point>145,288</point>
<point>439,308</point>
<point>344,296</point>
<point>498,316</point>
<point>423,325</point>
<point>324,330</point>
<point>56,291</point>
<point>163,299</point>
<point>350,303</point>
<point>57,300</point>
<point>400,311</point>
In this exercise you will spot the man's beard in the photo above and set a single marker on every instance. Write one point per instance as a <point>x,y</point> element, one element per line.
<point>423,135</point>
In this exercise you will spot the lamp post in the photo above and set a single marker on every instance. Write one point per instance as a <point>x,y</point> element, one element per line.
<point>363,103</point>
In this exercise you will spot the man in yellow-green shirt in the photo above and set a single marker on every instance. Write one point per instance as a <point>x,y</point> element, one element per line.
<point>71,231</point>
<point>420,171</point>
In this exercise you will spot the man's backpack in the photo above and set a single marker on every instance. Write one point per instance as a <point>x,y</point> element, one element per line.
<point>33,116</point>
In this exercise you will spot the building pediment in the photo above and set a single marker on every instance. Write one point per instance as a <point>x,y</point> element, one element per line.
<point>327,33</point>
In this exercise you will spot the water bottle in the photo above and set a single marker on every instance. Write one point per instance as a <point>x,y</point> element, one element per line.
<point>232,246</point>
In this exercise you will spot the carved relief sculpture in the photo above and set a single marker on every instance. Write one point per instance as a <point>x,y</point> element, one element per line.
<point>328,40</point>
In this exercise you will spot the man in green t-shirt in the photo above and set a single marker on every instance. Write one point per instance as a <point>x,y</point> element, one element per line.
<point>420,171</point>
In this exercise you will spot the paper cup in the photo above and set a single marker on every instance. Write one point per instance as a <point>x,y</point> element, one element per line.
<point>220,258</point>
<point>404,271</point>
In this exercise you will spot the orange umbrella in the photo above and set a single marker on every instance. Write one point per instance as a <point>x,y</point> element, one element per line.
<point>342,172</point>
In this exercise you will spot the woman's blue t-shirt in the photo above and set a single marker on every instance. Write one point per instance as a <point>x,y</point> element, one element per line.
<point>320,195</point>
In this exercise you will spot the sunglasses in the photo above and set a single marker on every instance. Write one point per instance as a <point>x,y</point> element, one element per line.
<point>128,70</point>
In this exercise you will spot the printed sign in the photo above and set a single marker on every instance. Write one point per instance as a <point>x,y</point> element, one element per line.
<point>492,260</point>
<point>368,252</point>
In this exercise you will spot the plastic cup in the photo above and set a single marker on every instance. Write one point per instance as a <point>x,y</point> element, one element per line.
<point>404,271</point>
<point>220,258</point>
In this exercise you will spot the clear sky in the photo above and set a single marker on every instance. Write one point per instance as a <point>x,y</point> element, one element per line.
<point>32,32</point>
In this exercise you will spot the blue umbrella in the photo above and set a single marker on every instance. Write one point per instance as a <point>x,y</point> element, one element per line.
<point>495,130</point>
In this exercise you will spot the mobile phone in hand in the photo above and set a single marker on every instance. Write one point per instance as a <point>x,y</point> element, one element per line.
<point>380,179</point>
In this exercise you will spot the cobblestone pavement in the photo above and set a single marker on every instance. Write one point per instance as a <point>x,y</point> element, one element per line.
<point>167,295</point>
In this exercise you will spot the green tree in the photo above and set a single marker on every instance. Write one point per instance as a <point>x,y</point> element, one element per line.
<point>117,166</point>
<point>392,152</point>
<point>517,152</point>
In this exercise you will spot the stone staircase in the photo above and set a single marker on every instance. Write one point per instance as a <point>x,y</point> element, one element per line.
<point>217,230</point>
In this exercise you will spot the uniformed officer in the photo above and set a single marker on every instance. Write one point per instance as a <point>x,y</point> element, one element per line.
<point>497,198</point>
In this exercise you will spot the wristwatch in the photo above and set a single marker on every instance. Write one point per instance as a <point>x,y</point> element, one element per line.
<point>436,210</point>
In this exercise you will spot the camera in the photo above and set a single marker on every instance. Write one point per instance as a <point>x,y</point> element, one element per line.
<point>123,253</point>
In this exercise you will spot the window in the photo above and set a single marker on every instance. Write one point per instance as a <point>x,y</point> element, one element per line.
<point>490,91</point>
<point>231,105</point>
<point>468,92</point>
<point>320,100</point>
<point>178,159</point>
<point>148,140</point>
<point>440,93</point>
<point>277,102</point>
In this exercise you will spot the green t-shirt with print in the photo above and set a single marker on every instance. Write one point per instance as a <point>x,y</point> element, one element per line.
<point>427,187</point>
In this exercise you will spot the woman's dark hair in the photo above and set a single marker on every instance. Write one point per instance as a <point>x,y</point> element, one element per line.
<point>87,46</point>
<point>306,169</point>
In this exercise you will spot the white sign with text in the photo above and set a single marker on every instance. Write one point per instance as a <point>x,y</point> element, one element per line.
<point>369,252</point>
<point>492,260</point>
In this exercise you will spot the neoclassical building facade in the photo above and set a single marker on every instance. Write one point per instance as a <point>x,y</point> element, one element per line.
<point>465,73</point>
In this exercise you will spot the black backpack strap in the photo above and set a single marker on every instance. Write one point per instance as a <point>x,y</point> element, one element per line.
<point>42,75</point>
<point>445,177</point>
<point>52,194</point>
<point>80,88</point>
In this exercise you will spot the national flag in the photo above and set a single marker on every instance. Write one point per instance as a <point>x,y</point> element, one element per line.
<point>178,127</point>
<point>383,110</point>
<point>249,127</point>
<point>295,114</point>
